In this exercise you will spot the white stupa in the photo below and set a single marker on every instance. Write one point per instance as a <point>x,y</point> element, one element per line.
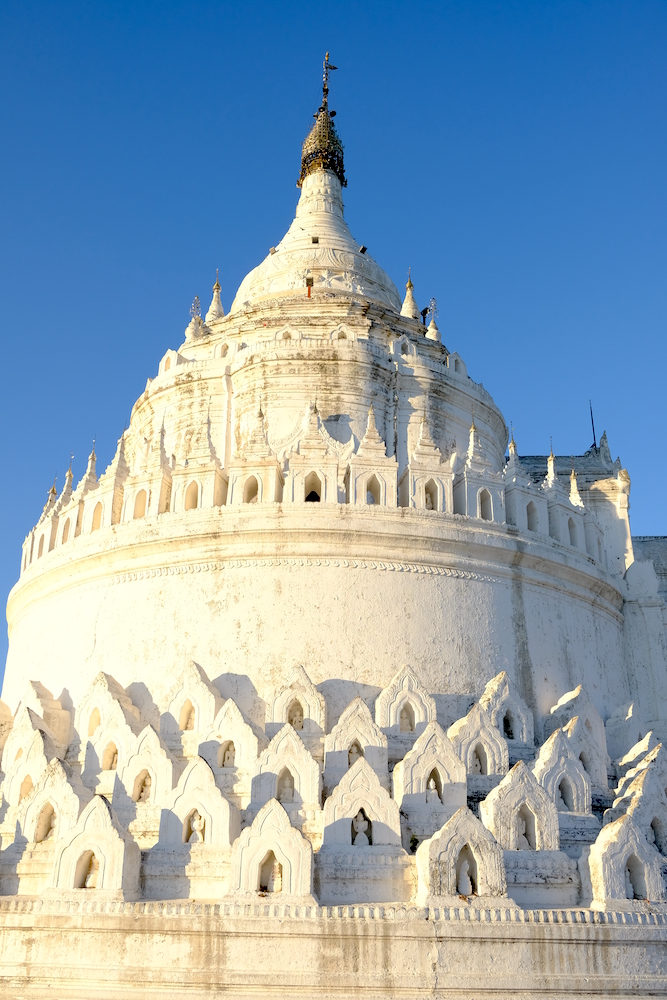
<point>313,688</point>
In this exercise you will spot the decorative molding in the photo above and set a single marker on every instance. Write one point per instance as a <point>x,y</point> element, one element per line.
<point>656,916</point>
<point>395,567</point>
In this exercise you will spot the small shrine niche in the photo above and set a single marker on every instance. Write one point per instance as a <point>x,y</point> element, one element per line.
<point>479,761</point>
<point>193,828</point>
<point>635,882</point>
<point>26,787</point>
<point>142,787</point>
<point>187,717</point>
<point>520,814</point>
<point>94,721</point>
<point>270,874</point>
<point>407,718</point>
<point>286,771</point>
<point>354,753</point>
<point>295,715</point>
<point>509,725</point>
<point>285,786</point>
<point>300,705</point>
<point>87,871</point>
<point>404,707</point>
<point>227,754</point>
<point>565,797</point>
<point>434,788</point>
<point>46,824</point>
<point>110,758</point>
<point>466,873</point>
<point>657,835</point>
<point>525,837</point>
<point>362,830</point>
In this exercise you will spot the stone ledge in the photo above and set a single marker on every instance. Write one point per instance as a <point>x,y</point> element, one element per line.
<point>655,914</point>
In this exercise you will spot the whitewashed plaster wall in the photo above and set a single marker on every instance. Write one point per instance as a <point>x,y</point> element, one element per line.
<point>301,609</point>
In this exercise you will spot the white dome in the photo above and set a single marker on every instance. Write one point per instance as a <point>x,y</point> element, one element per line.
<point>320,246</point>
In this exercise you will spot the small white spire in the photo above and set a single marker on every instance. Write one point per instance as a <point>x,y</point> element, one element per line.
<point>432,333</point>
<point>552,475</point>
<point>410,307</point>
<point>215,311</point>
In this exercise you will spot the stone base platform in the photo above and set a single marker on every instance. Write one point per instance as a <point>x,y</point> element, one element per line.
<point>120,951</point>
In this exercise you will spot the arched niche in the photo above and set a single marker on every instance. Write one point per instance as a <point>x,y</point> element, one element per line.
<point>373,491</point>
<point>140,504</point>
<point>312,488</point>
<point>192,496</point>
<point>97,516</point>
<point>520,814</point>
<point>46,823</point>
<point>143,786</point>
<point>227,754</point>
<point>94,721</point>
<point>250,490</point>
<point>110,757</point>
<point>187,717</point>
<point>86,873</point>
<point>463,840</point>
<point>531,516</point>
<point>485,505</point>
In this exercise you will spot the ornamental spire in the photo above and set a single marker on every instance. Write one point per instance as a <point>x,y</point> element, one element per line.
<point>322,149</point>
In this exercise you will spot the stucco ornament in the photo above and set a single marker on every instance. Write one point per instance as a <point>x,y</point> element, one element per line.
<point>562,775</point>
<point>621,870</point>
<point>646,801</point>
<point>431,764</point>
<point>404,705</point>
<point>299,695</point>
<point>577,704</point>
<point>656,759</point>
<point>520,814</point>
<point>231,748</point>
<point>197,791</point>
<point>462,841</point>
<point>271,838</point>
<point>286,771</point>
<point>354,735</point>
<point>360,789</point>
<point>28,750</point>
<point>191,706</point>
<point>507,709</point>
<point>98,854</point>
<point>479,743</point>
<point>585,747</point>
<point>60,792</point>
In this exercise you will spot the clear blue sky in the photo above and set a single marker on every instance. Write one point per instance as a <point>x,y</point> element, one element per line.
<point>514,154</point>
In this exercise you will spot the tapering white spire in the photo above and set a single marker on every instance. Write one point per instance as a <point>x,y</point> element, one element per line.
<point>410,307</point>
<point>432,332</point>
<point>575,498</point>
<point>215,310</point>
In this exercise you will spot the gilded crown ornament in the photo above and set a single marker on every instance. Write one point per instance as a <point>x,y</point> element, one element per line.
<point>322,148</point>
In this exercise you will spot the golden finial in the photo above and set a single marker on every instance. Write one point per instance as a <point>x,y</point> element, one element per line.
<point>216,287</point>
<point>409,285</point>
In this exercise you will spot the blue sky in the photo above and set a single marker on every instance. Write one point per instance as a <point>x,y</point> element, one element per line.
<point>513,154</point>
